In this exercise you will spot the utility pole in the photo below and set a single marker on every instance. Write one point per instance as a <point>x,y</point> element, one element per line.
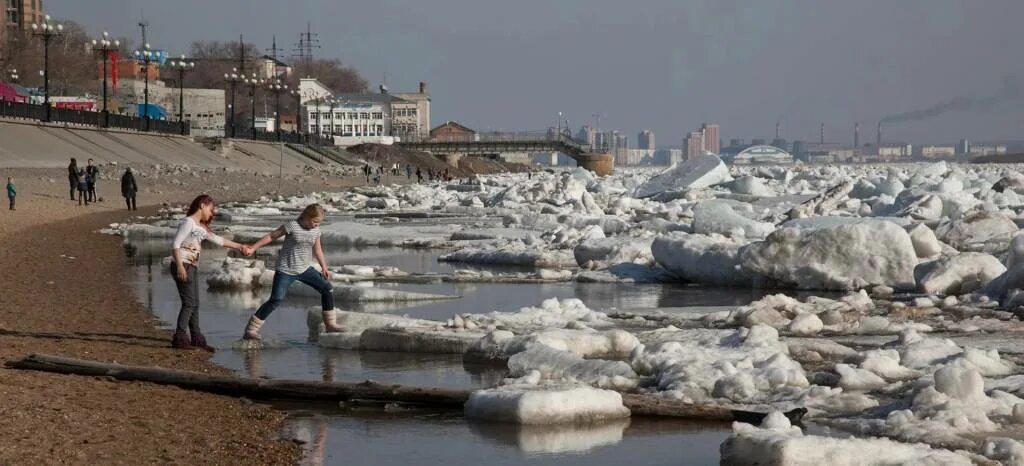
<point>304,49</point>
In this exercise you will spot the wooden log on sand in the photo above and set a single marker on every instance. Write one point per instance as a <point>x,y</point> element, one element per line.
<point>311,390</point>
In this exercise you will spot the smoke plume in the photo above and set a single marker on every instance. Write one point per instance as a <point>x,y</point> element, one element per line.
<point>1009,91</point>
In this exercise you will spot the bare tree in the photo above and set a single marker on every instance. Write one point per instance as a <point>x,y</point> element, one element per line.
<point>333,74</point>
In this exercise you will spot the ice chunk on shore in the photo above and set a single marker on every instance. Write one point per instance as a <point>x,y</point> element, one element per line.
<point>989,232</point>
<point>558,404</point>
<point>840,257</point>
<point>365,294</point>
<point>700,172</point>
<point>709,260</point>
<point>717,216</point>
<point>956,275</point>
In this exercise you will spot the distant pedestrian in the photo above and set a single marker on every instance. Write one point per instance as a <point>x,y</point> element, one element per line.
<point>366,172</point>
<point>83,187</point>
<point>301,246</point>
<point>11,192</point>
<point>73,177</point>
<point>129,189</point>
<point>187,247</point>
<point>419,175</point>
<point>408,171</point>
<point>93,171</point>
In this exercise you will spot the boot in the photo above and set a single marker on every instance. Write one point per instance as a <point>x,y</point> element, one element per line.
<point>330,322</point>
<point>252,329</point>
<point>180,340</point>
<point>199,341</point>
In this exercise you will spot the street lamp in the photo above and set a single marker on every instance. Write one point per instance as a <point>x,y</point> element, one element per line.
<point>253,82</point>
<point>46,30</point>
<point>234,78</point>
<point>146,57</point>
<point>277,88</point>
<point>181,66</point>
<point>12,74</point>
<point>104,46</point>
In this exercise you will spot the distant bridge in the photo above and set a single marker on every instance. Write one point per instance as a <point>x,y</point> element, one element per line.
<point>482,144</point>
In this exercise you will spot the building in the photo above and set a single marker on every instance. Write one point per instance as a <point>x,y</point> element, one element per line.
<point>204,108</point>
<point>21,14</point>
<point>668,156</point>
<point>452,131</point>
<point>693,145</point>
<point>270,68</point>
<point>402,115</point>
<point>762,154</point>
<point>635,157</point>
<point>984,149</point>
<point>645,140</point>
<point>895,151</point>
<point>588,136</point>
<point>712,138</point>
<point>938,152</point>
<point>618,146</point>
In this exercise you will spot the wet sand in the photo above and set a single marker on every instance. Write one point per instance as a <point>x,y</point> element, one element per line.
<point>62,292</point>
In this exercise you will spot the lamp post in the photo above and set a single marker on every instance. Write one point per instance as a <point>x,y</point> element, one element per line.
<point>104,46</point>
<point>46,31</point>
<point>181,66</point>
<point>234,78</point>
<point>277,88</point>
<point>253,82</point>
<point>298,112</point>
<point>146,57</point>
<point>12,74</point>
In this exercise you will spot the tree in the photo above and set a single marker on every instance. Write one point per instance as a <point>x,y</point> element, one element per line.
<point>73,69</point>
<point>332,73</point>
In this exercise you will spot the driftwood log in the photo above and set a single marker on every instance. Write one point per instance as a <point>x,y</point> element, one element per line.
<point>311,390</point>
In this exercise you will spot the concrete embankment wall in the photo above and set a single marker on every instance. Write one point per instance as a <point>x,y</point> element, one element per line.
<point>25,145</point>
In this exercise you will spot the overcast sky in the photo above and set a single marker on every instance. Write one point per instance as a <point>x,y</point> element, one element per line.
<point>667,65</point>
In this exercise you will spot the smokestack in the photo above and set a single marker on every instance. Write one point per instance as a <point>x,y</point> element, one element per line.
<point>822,132</point>
<point>423,87</point>
<point>878,143</point>
<point>856,135</point>
<point>778,128</point>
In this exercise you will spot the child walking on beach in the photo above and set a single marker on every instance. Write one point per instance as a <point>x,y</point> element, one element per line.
<point>301,242</point>
<point>11,192</point>
<point>187,248</point>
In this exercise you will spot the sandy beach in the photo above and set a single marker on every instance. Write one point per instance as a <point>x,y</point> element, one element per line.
<point>62,292</point>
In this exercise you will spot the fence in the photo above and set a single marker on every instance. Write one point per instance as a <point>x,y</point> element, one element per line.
<point>88,118</point>
<point>288,137</point>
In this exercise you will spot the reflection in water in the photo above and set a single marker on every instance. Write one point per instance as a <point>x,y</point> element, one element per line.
<point>553,438</point>
<point>310,430</point>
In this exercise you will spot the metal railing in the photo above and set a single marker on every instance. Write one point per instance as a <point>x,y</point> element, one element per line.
<point>288,137</point>
<point>88,118</point>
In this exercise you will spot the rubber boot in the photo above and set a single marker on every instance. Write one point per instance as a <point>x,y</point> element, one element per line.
<point>252,329</point>
<point>199,341</point>
<point>330,322</point>
<point>180,340</point>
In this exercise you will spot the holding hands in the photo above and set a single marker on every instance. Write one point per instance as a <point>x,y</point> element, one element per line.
<point>247,250</point>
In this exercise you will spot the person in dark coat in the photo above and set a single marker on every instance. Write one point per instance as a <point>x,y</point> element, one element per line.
<point>129,189</point>
<point>93,171</point>
<point>73,177</point>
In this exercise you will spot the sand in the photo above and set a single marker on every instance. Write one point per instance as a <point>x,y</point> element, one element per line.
<point>79,307</point>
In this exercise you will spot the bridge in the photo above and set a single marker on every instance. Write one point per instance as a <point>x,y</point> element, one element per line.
<point>494,143</point>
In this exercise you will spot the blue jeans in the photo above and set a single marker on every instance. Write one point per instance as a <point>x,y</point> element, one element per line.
<point>280,289</point>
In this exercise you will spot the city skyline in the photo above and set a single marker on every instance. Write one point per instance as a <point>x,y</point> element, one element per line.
<point>744,65</point>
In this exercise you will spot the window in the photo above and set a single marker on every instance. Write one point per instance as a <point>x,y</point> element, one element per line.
<point>378,116</point>
<point>339,115</point>
<point>412,112</point>
<point>364,115</point>
<point>312,116</point>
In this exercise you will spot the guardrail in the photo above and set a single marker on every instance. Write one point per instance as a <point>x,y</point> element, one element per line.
<point>37,112</point>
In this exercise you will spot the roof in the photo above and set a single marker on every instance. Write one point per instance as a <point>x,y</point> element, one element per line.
<point>763,151</point>
<point>367,97</point>
<point>453,124</point>
<point>276,61</point>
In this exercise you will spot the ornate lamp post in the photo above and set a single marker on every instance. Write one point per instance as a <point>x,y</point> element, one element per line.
<point>46,31</point>
<point>104,46</point>
<point>12,74</point>
<point>253,82</point>
<point>146,57</point>
<point>233,78</point>
<point>277,87</point>
<point>181,66</point>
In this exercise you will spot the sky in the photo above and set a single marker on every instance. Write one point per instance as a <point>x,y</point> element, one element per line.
<point>938,70</point>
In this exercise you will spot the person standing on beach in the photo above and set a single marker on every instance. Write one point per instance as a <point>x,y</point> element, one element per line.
<point>73,177</point>
<point>92,171</point>
<point>129,189</point>
<point>301,244</point>
<point>11,192</point>
<point>83,187</point>
<point>187,246</point>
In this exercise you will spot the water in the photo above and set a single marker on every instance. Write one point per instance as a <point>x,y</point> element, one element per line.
<point>374,435</point>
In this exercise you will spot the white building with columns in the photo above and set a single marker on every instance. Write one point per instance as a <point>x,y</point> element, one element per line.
<point>356,118</point>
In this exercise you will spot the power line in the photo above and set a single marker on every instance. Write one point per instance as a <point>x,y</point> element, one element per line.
<point>304,48</point>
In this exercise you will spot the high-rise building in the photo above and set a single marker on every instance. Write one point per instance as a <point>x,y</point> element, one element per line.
<point>693,145</point>
<point>22,14</point>
<point>645,140</point>
<point>587,135</point>
<point>601,142</point>
<point>712,141</point>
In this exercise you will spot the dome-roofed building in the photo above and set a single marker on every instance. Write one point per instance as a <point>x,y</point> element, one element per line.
<point>762,154</point>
